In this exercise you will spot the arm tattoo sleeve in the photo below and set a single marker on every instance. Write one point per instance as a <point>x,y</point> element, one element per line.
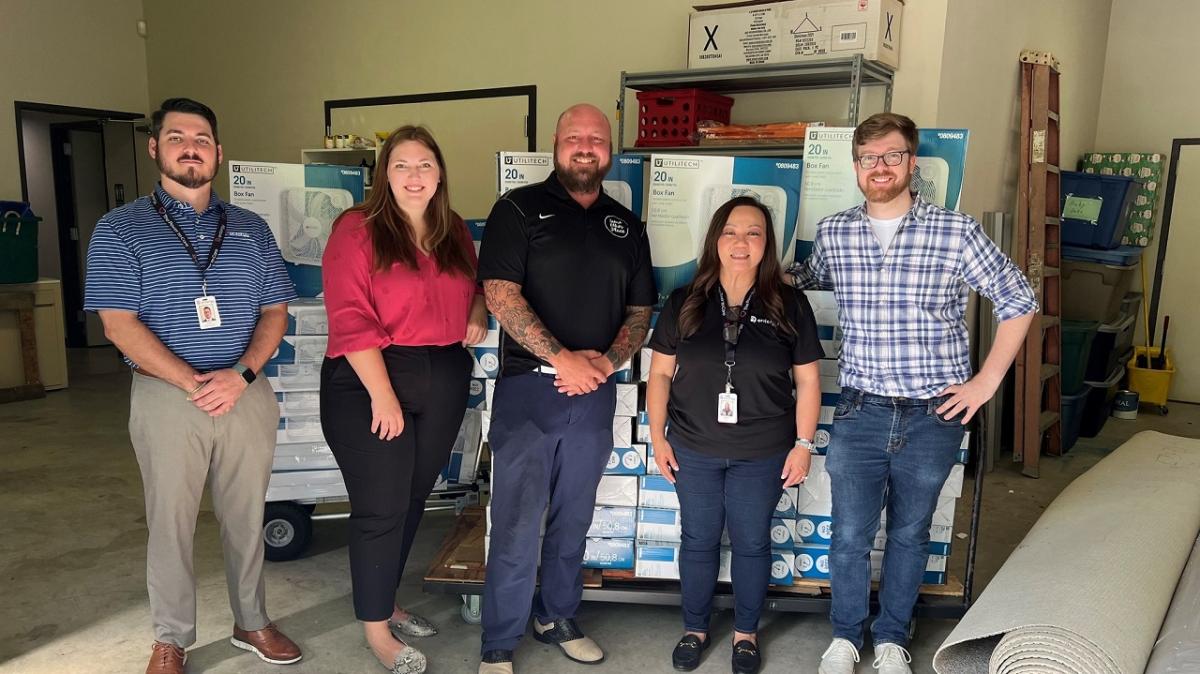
<point>631,336</point>
<point>505,301</point>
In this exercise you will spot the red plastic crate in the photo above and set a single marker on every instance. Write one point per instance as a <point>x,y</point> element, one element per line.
<point>669,117</point>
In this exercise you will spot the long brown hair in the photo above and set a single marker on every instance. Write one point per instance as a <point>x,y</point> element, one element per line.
<point>768,286</point>
<point>392,235</point>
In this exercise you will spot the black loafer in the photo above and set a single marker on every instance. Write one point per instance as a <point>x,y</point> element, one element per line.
<point>688,652</point>
<point>746,659</point>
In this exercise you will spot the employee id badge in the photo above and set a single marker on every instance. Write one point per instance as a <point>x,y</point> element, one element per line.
<point>727,408</point>
<point>207,313</point>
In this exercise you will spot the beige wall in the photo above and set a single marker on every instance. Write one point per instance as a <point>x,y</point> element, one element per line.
<point>67,52</point>
<point>980,84</point>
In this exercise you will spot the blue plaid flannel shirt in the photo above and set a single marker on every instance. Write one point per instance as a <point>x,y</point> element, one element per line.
<point>902,313</point>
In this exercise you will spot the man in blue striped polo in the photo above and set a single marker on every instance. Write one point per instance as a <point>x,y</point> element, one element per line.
<point>194,293</point>
<point>900,268</point>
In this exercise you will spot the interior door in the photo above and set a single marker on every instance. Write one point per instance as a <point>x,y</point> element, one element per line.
<point>1180,282</point>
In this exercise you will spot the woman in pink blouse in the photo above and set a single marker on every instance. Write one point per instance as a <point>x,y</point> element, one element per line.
<point>400,291</point>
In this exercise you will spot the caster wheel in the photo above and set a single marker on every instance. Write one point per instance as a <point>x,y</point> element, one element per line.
<point>1162,410</point>
<point>472,609</point>
<point>287,530</point>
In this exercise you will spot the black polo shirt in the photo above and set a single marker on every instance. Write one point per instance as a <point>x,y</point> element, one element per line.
<point>578,268</point>
<point>762,377</point>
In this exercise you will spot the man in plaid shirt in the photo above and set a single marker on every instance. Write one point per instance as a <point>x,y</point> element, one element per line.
<point>900,268</point>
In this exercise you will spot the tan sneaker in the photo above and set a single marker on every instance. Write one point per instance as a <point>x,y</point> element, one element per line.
<point>496,662</point>
<point>166,659</point>
<point>567,635</point>
<point>269,644</point>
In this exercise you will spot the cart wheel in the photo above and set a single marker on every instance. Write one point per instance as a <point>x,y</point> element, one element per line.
<point>472,609</point>
<point>1162,409</point>
<point>287,530</point>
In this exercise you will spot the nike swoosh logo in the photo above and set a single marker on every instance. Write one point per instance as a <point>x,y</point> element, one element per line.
<point>544,216</point>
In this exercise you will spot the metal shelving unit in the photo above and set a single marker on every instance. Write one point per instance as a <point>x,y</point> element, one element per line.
<point>853,73</point>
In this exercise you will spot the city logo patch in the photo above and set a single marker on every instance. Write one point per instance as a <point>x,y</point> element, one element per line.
<point>616,226</point>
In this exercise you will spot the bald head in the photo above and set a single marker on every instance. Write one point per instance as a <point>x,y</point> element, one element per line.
<point>582,151</point>
<point>580,113</point>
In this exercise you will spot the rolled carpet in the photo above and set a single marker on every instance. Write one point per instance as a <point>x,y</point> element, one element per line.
<point>1177,650</point>
<point>1087,590</point>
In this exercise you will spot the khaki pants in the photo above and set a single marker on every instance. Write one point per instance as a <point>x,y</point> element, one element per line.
<point>177,447</point>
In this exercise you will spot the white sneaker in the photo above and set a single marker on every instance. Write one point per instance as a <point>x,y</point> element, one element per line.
<point>891,659</point>
<point>839,658</point>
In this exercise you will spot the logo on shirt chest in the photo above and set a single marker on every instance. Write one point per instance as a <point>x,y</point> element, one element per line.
<point>616,226</point>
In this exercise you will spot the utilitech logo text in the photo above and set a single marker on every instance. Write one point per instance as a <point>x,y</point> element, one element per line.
<point>265,170</point>
<point>677,163</point>
<point>527,161</point>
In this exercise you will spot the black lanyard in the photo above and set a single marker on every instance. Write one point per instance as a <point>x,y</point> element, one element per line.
<point>218,239</point>
<point>731,331</point>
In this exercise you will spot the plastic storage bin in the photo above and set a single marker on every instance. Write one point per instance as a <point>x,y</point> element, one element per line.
<point>18,243</point>
<point>1099,399</point>
<point>670,117</point>
<point>1072,417</point>
<point>1095,208</point>
<point>1113,340</point>
<point>1152,386</point>
<point>1122,257</point>
<point>1077,338</point>
<point>1094,292</point>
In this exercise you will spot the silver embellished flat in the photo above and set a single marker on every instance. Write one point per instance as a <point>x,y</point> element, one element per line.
<point>412,626</point>
<point>409,661</point>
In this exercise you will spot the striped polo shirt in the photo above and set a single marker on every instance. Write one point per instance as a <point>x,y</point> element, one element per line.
<point>136,263</point>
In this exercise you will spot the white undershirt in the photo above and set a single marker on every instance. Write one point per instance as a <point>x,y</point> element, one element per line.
<point>885,230</point>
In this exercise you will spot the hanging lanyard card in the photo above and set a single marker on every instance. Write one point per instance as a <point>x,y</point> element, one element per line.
<point>207,313</point>
<point>727,401</point>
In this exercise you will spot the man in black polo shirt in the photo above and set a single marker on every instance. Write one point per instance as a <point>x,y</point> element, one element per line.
<point>566,271</point>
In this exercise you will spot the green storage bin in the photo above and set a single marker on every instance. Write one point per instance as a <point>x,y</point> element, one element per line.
<point>1077,338</point>
<point>18,249</point>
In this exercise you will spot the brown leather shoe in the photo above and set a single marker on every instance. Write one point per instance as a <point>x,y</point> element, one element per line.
<point>269,644</point>
<point>166,659</point>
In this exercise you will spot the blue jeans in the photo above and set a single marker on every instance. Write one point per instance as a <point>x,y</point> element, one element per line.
<point>896,451</point>
<point>548,453</point>
<point>715,493</point>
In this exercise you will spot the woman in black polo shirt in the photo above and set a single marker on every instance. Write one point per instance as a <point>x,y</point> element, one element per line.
<point>729,351</point>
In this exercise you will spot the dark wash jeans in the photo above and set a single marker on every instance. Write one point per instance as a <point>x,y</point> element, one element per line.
<point>713,493</point>
<point>893,451</point>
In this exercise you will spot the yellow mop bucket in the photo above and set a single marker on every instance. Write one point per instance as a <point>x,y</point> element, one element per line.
<point>1152,385</point>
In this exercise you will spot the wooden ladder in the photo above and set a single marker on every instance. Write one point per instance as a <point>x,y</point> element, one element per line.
<point>1037,395</point>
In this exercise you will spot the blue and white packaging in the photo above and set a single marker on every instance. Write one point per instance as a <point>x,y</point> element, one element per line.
<point>643,426</point>
<point>657,560</point>
<point>814,496</point>
<point>614,522</point>
<point>814,529</point>
<point>622,431</point>
<point>940,537</point>
<point>644,358</point>
<point>825,310</point>
<point>659,524</point>
<point>655,491</point>
<point>954,483</point>
<point>297,403</point>
<point>489,392</point>
<point>627,461</point>
<point>685,190</point>
<point>477,394</point>
<point>623,182</point>
<point>624,374</point>
<point>294,485</point>
<point>302,428</point>
<point>828,369</point>
<point>608,553</point>
<point>476,227</point>
<point>295,349</point>
<point>299,202</point>
<point>783,567</point>
<point>303,456</point>
<point>617,490</point>
<point>306,316</point>
<point>464,453</point>
<point>651,464</point>
<point>486,362</point>
<point>783,534</point>
<point>298,377</point>
<point>627,400</point>
<point>786,507</point>
<point>812,561</point>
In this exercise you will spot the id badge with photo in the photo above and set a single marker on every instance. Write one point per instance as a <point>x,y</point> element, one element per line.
<point>727,408</point>
<point>207,313</point>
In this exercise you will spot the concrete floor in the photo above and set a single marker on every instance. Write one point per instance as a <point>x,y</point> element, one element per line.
<point>72,578</point>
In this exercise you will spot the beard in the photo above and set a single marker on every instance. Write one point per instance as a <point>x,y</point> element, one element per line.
<point>192,178</point>
<point>581,179</point>
<point>882,195</point>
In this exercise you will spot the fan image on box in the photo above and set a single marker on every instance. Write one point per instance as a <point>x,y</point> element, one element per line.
<point>308,215</point>
<point>771,196</point>
<point>930,179</point>
<point>619,190</point>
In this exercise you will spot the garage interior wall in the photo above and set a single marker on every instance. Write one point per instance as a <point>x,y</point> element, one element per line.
<point>67,52</point>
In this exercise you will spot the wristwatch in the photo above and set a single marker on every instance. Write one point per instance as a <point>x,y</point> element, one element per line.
<point>246,373</point>
<point>806,443</point>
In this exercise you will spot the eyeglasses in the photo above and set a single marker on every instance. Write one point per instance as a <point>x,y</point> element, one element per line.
<point>870,161</point>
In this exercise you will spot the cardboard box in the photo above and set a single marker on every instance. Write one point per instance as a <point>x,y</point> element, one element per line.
<point>617,490</point>
<point>786,507</point>
<point>489,392</point>
<point>783,567</point>
<point>478,395</point>
<point>943,514</point>
<point>814,529</point>
<point>295,349</point>
<point>306,316</point>
<point>598,553</point>
<point>654,491</point>
<point>651,464</point>
<point>814,496</point>
<point>811,561</point>
<point>783,534</point>
<point>627,461</point>
<point>302,428</point>
<point>297,485</point>
<point>607,522</point>
<point>486,362</point>
<point>644,358</point>
<point>464,454</point>
<point>627,400</point>
<point>799,30</point>
<point>303,456</point>
<point>297,403</point>
<point>659,524</point>
<point>657,560</point>
<point>298,377</point>
<point>622,431</point>
<point>624,374</point>
<point>940,538</point>
<point>643,426</point>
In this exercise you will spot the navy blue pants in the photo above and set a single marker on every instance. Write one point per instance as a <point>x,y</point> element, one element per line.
<point>548,453</point>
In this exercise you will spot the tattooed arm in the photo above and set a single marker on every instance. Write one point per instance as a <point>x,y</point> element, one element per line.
<point>508,305</point>
<point>629,339</point>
